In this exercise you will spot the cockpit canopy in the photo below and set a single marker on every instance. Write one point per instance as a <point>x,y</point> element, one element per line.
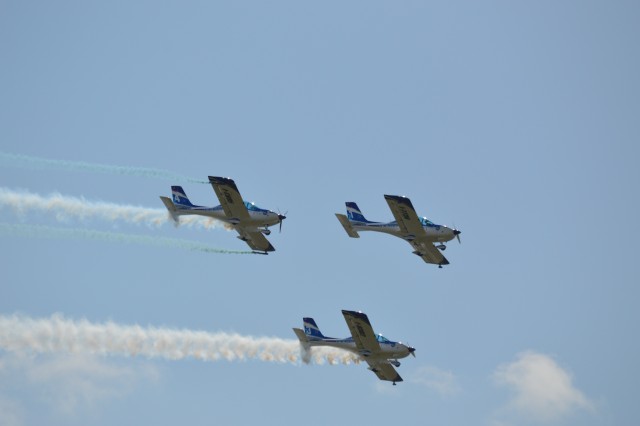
<point>381,339</point>
<point>426,222</point>
<point>252,207</point>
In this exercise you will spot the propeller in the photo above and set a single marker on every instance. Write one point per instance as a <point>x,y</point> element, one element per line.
<point>412,350</point>
<point>457,233</point>
<point>281,217</point>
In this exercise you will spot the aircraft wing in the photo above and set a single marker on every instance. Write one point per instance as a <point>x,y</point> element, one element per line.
<point>405,215</point>
<point>254,239</point>
<point>362,332</point>
<point>409,223</point>
<point>229,197</point>
<point>235,208</point>
<point>428,252</point>
<point>384,371</point>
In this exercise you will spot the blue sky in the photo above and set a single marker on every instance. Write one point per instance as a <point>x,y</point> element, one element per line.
<point>516,121</point>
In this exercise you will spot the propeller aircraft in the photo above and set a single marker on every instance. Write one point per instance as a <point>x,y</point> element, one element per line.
<point>249,220</point>
<point>379,352</point>
<point>424,236</point>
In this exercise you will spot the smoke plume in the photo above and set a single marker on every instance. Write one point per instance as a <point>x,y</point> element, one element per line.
<point>57,334</point>
<point>65,208</point>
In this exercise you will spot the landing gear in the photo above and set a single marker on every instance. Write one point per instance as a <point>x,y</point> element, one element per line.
<point>441,247</point>
<point>266,231</point>
<point>394,362</point>
<point>394,383</point>
<point>440,266</point>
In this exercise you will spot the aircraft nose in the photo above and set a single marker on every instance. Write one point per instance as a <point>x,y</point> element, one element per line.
<point>412,351</point>
<point>457,235</point>
<point>281,217</point>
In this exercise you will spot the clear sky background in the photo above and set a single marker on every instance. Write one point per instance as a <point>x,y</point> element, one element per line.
<point>516,121</point>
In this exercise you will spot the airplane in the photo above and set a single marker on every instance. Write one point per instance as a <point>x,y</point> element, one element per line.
<point>249,220</point>
<point>379,352</point>
<point>420,232</point>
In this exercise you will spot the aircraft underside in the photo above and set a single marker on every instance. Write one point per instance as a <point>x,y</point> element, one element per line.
<point>387,354</point>
<point>259,221</point>
<point>396,232</point>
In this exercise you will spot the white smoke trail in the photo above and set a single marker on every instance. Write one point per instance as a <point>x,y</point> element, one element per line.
<point>41,231</point>
<point>26,161</point>
<point>57,334</point>
<point>65,207</point>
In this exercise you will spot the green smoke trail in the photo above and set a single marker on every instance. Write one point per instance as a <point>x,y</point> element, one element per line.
<point>26,161</point>
<point>41,231</point>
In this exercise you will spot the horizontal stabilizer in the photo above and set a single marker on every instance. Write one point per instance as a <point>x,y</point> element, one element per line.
<point>304,340</point>
<point>346,224</point>
<point>173,210</point>
<point>300,333</point>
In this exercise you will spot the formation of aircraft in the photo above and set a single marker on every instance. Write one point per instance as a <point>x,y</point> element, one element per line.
<point>379,352</point>
<point>249,220</point>
<point>426,237</point>
<point>252,224</point>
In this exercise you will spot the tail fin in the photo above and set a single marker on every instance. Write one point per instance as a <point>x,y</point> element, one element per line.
<point>354,213</point>
<point>311,328</point>
<point>180,197</point>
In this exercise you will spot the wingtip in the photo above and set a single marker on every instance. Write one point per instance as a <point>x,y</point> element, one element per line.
<point>356,314</point>
<point>219,179</point>
<point>401,199</point>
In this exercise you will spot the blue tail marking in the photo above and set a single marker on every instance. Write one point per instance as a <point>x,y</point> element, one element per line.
<point>180,197</point>
<point>354,213</point>
<point>311,328</point>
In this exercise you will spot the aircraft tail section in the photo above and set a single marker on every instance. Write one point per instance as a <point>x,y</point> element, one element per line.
<point>180,197</point>
<point>173,210</point>
<point>344,221</point>
<point>304,342</point>
<point>311,329</point>
<point>354,213</point>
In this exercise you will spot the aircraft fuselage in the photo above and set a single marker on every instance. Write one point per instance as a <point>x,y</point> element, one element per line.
<point>389,350</point>
<point>258,218</point>
<point>434,233</point>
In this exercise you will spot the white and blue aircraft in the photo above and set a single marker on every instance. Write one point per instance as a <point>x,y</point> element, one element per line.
<point>249,220</point>
<point>379,352</point>
<point>420,232</point>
